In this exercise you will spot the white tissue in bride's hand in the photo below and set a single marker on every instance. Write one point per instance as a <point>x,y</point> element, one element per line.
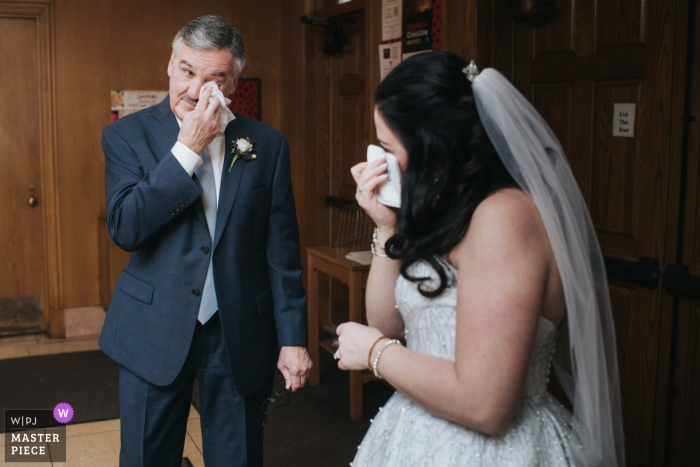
<point>388,192</point>
<point>223,102</point>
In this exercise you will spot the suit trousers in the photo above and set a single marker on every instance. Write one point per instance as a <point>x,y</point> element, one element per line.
<point>154,418</point>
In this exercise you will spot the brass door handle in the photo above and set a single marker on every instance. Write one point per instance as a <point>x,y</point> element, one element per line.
<point>33,201</point>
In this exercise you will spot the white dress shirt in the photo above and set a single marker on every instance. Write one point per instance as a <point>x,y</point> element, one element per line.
<point>190,160</point>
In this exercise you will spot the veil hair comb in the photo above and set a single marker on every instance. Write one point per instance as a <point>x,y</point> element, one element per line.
<point>471,71</point>
<point>587,368</point>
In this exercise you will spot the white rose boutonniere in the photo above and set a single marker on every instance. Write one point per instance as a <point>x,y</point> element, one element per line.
<point>242,149</point>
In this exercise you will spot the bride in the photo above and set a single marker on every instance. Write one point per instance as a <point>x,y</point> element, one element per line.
<point>490,263</point>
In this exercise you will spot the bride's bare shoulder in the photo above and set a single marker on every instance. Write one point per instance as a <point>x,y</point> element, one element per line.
<point>505,200</point>
<point>507,217</point>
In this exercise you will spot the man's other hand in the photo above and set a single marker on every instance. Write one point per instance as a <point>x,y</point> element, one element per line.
<point>200,126</point>
<point>295,365</point>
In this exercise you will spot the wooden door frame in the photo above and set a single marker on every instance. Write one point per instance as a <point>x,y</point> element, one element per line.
<point>52,297</point>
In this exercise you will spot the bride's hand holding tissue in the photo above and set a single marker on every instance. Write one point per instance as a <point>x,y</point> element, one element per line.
<point>368,176</point>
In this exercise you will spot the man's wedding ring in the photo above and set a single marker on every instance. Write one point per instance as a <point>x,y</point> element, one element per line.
<point>358,189</point>
<point>336,355</point>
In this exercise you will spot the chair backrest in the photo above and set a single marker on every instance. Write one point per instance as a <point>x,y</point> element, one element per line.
<point>355,229</point>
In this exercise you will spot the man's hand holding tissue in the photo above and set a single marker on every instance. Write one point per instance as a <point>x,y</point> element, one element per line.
<point>200,126</point>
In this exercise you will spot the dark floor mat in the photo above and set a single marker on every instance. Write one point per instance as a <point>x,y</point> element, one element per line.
<point>88,381</point>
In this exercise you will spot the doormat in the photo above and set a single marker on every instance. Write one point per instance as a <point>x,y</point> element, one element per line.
<point>88,381</point>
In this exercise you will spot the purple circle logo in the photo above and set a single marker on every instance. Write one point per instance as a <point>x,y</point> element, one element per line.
<point>63,412</point>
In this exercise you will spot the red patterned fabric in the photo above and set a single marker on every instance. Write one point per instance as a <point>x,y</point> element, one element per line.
<point>245,100</point>
<point>437,25</point>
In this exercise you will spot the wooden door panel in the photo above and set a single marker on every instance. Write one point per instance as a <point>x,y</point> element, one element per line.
<point>21,245</point>
<point>556,38</point>
<point>616,161</point>
<point>637,356</point>
<point>619,23</point>
<point>554,102</point>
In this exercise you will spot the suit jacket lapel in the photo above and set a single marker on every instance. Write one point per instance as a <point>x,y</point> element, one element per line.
<point>165,130</point>
<point>229,180</point>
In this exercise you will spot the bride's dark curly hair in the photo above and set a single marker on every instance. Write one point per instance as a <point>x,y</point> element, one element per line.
<point>427,102</point>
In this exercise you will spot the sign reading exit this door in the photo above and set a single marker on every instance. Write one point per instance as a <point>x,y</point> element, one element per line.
<point>623,120</point>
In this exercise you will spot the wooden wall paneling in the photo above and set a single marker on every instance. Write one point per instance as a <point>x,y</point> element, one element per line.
<point>502,39</point>
<point>42,13</point>
<point>373,32</point>
<point>468,30</point>
<point>453,22</point>
<point>95,52</point>
<point>349,98</point>
<point>349,137</point>
<point>330,8</point>
<point>317,134</point>
<point>104,246</point>
<point>293,102</point>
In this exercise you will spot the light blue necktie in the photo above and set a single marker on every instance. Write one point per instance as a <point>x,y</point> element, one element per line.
<point>205,172</point>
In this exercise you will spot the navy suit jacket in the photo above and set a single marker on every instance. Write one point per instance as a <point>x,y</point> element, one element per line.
<point>155,211</point>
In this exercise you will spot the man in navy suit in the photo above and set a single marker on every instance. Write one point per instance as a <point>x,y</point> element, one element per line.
<point>213,287</point>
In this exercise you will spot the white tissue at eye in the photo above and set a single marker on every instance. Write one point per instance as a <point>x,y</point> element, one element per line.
<point>226,114</point>
<point>389,191</point>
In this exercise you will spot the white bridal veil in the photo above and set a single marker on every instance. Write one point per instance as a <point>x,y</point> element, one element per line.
<point>588,371</point>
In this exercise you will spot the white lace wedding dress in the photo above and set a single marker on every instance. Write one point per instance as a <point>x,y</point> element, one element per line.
<point>404,435</point>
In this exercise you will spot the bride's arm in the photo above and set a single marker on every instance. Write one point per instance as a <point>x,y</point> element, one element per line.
<point>504,263</point>
<point>379,297</point>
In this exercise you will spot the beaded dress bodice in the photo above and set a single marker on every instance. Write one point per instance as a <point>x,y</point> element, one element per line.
<point>430,325</point>
<point>403,434</point>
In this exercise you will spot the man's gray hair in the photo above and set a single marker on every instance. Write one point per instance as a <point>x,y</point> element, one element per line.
<point>212,32</point>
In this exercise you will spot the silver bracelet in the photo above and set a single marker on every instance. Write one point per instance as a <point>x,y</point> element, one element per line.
<point>376,253</point>
<point>379,354</point>
<point>375,243</point>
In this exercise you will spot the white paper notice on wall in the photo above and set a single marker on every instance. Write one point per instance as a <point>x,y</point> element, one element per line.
<point>391,19</point>
<point>389,57</point>
<point>623,120</point>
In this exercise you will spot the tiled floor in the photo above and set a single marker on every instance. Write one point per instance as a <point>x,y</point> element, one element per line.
<point>88,444</point>
<point>39,344</point>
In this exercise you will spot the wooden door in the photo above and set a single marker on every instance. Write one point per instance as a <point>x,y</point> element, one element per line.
<point>574,69</point>
<point>679,367</point>
<point>21,195</point>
